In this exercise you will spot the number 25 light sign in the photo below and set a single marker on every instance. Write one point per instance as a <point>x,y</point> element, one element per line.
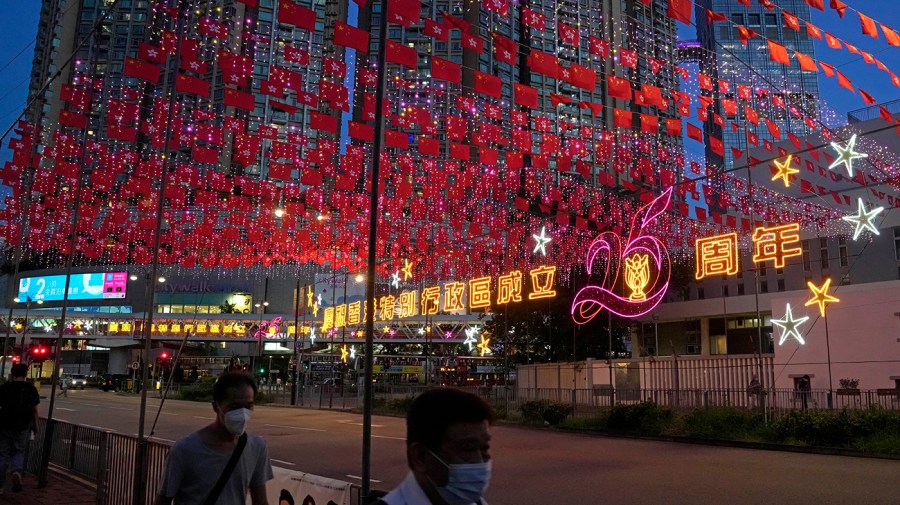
<point>646,268</point>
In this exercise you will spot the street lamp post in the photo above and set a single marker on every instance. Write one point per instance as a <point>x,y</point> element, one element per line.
<point>259,343</point>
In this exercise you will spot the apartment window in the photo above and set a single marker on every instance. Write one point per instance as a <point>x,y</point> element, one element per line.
<point>741,288</point>
<point>764,287</point>
<point>737,19</point>
<point>842,248</point>
<point>701,295</point>
<point>780,284</point>
<point>753,19</point>
<point>823,252</point>
<point>724,290</point>
<point>897,243</point>
<point>806,263</point>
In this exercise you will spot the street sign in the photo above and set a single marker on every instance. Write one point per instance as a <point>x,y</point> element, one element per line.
<point>135,366</point>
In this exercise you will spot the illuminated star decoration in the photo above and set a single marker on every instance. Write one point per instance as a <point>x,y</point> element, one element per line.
<point>863,219</point>
<point>344,353</point>
<point>821,296</point>
<point>395,279</point>
<point>319,300</point>
<point>315,309</point>
<point>541,241</point>
<point>785,170</point>
<point>846,155</point>
<point>407,269</point>
<point>352,352</point>
<point>309,298</point>
<point>483,345</point>
<point>470,340</point>
<point>312,335</point>
<point>790,326</point>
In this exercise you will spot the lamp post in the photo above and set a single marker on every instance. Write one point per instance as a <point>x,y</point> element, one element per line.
<point>259,345</point>
<point>27,302</point>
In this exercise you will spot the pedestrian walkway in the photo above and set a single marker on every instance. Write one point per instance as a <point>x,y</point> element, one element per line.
<point>59,490</point>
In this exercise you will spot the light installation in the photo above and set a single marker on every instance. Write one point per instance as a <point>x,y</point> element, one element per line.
<point>470,340</point>
<point>407,269</point>
<point>395,279</point>
<point>645,259</point>
<point>541,241</point>
<point>846,155</point>
<point>863,219</point>
<point>785,170</point>
<point>790,327</point>
<point>771,243</point>
<point>483,345</point>
<point>344,353</point>
<point>717,255</point>
<point>821,296</point>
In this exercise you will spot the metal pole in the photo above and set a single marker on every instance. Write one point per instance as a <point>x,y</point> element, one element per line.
<point>828,350</point>
<point>372,257</point>
<point>140,468</point>
<point>297,305</point>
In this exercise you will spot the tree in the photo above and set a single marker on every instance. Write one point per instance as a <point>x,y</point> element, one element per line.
<point>228,308</point>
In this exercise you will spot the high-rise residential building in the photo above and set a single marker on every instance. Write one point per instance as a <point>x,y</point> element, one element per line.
<point>727,58</point>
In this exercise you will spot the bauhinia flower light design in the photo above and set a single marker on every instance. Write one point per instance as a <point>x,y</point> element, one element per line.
<point>645,260</point>
<point>846,155</point>
<point>790,327</point>
<point>863,219</point>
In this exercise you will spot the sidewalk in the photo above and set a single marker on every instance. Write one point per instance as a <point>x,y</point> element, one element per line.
<point>59,490</point>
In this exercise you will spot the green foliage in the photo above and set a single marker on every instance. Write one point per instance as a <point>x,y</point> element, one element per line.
<point>202,392</point>
<point>545,411</point>
<point>719,423</point>
<point>844,428</point>
<point>645,418</point>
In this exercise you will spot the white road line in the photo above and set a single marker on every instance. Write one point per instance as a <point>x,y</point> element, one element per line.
<point>203,417</point>
<point>91,404</point>
<point>283,462</point>
<point>392,438</point>
<point>293,427</point>
<point>117,408</point>
<point>347,421</point>
<point>63,408</point>
<point>357,477</point>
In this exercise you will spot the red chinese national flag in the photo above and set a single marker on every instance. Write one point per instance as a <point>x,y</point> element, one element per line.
<point>649,123</point>
<point>350,36</point>
<point>869,99</point>
<point>398,53</point>
<point>868,25</point>
<point>680,10</point>
<point>746,34</point>
<point>239,99</point>
<point>778,53</point>
<point>487,84</point>
<point>806,63</point>
<point>543,63</point>
<point>623,119</point>
<point>141,70</point>
<point>617,87</point>
<point>843,81</point>
<point>818,4</point>
<point>193,85</point>
<point>325,122</point>
<point>68,118</point>
<point>583,77</point>
<point>694,133</point>
<point>361,131</point>
<point>525,95</point>
<point>290,13</point>
<point>445,70</point>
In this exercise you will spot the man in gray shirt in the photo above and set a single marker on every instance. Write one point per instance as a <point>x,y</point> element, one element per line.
<point>196,462</point>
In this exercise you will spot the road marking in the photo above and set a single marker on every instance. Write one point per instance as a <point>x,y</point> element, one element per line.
<point>360,478</point>
<point>63,408</point>
<point>117,408</point>
<point>392,438</point>
<point>348,421</point>
<point>91,404</point>
<point>283,462</point>
<point>203,417</point>
<point>293,427</point>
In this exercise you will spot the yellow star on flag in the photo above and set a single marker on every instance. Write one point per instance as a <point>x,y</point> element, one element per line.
<point>821,296</point>
<point>785,171</point>
<point>407,270</point>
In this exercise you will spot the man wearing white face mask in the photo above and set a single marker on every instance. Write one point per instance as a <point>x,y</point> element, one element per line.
<point>447,449</point>
<point>220,463</point>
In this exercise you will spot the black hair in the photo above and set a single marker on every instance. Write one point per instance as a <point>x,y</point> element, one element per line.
<point>19,370</point>
<point>433,413</point>
<point>230,380</point>
<point>286,496</point>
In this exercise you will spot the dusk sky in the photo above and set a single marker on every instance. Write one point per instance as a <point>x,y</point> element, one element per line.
<point>18,26</point>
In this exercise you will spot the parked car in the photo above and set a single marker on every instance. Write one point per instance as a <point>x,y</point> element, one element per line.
<point>77,381</point>
<point>113,382</point>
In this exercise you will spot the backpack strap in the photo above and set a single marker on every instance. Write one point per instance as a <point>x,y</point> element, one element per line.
<point>227,471</point>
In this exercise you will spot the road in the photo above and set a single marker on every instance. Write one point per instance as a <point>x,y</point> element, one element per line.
<point>531,467</point>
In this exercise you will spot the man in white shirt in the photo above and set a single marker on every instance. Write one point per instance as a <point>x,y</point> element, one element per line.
<point>447,449</point>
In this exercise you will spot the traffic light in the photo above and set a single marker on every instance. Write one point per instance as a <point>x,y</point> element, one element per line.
<point>39,353</point>
<point>262,370</point>
<point>164,356</point>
